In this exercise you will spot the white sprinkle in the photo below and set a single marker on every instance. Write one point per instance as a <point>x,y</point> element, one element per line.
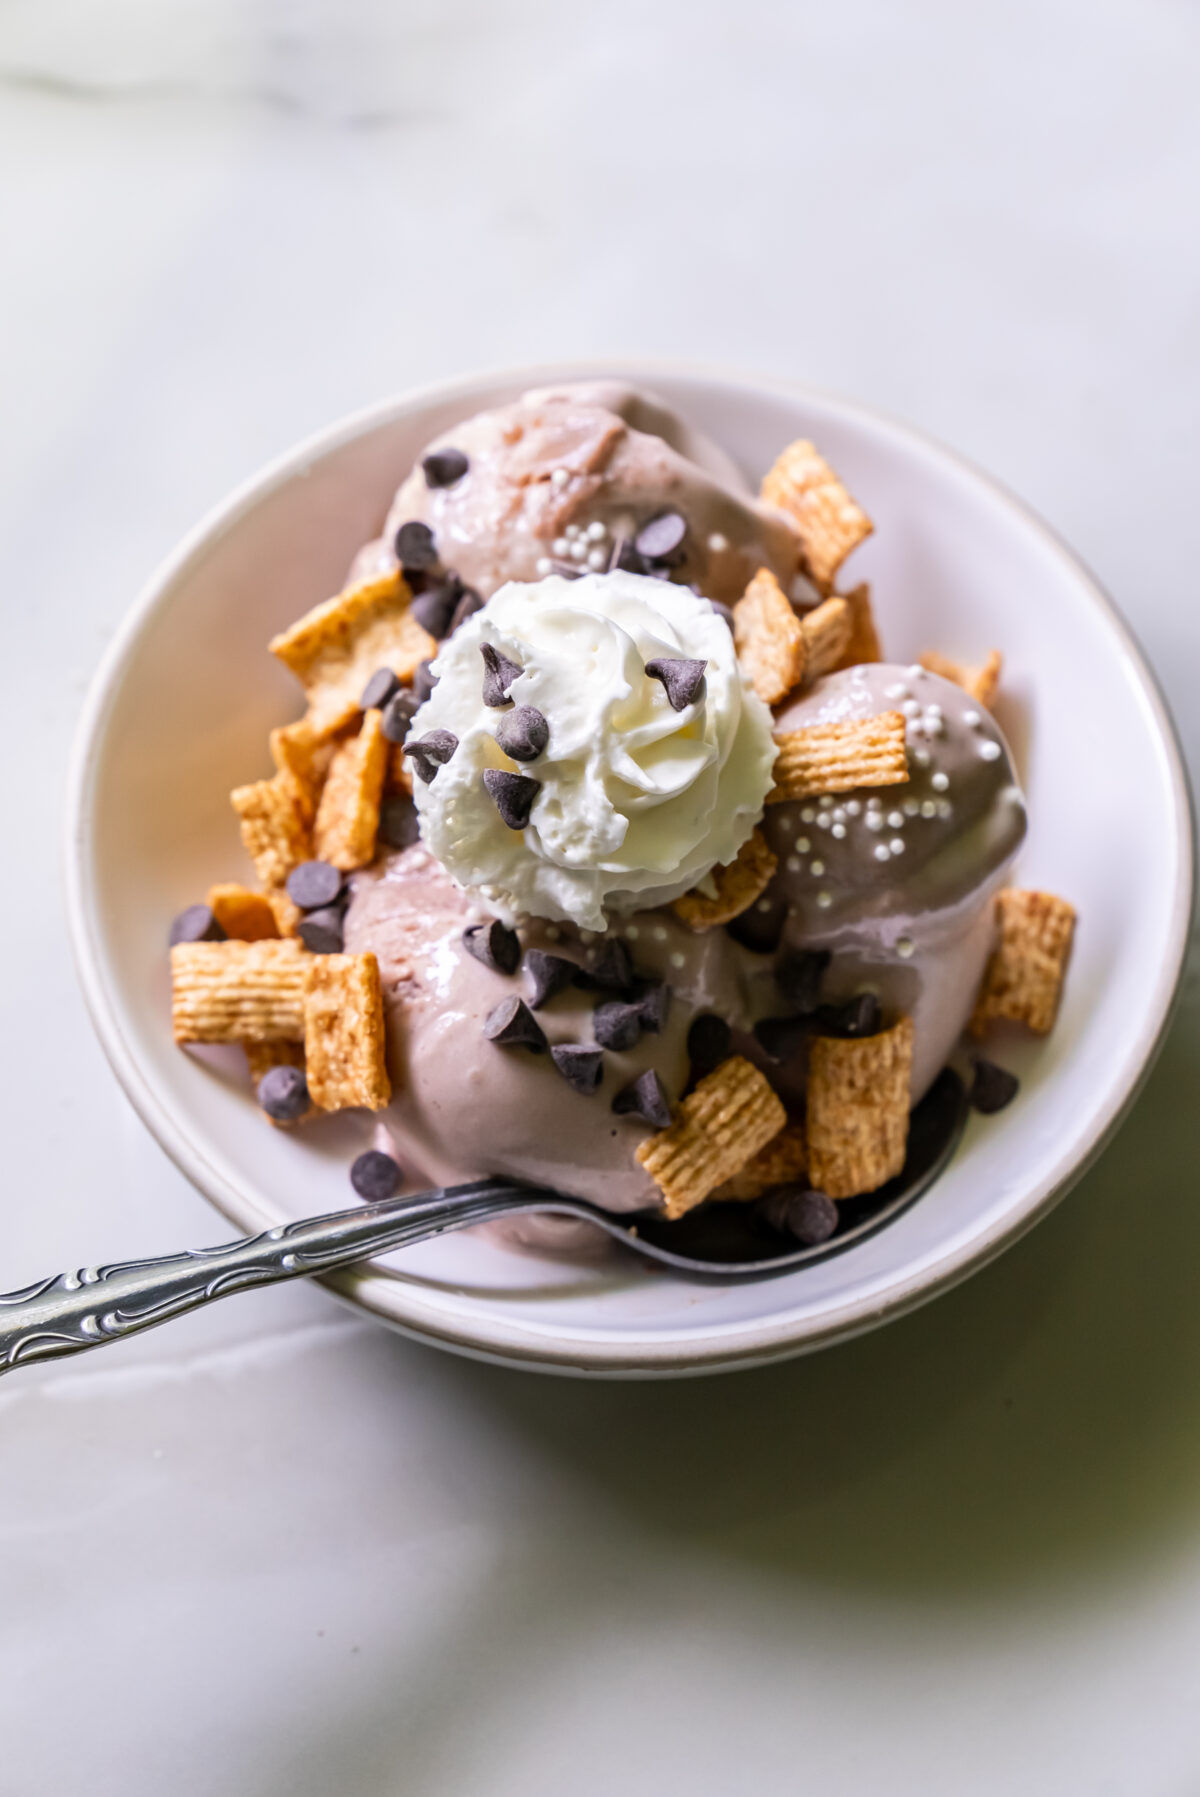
<point>803,844</point>
<point>552,933</point>
<point>763,905</point>
<point>838,830</point>
<point>897,845</point>
<point>921,757</point>
<point>596,532</point>
<point>678,960</point>
<point>874,820</point>
<point>917,672</point>
<point>939,781</point>
<point>882,851</point>
<point>659,933</point>
<point>572,531</point>
<point>895,820</point>
<point>561,547</point>
<point>578,549</point>
<point>818,868</point>
<point>717,543</point>
<point>808,815</point>
<point>899,691</point>
<point>911,708</point>
<point>560,477</point>
<point>824,900</point>
<point>793,864</point>
<point>904,947</point>
<point>598,560</point>
<point>823,820</point>
<point>928,808</point>
<point>587,935</point>
<point>786,825</point>
<point>852,807</point>
<point>972,719</point>
<point>874,803</point>
<point>631,932</point>
<point>545,565</point>
<point>825,801</point>
<point>933,711</point>
<point>935,726</point>
<point>912,807</point>
<point>990,750</point>
<point>839,814</point>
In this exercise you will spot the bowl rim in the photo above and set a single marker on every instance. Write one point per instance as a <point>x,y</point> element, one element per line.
<point>492,1338</point>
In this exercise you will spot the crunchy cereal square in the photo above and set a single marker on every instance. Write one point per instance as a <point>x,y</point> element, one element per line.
<point>1024,978</point>
<point>335,648</point>
<point>735,887</point>
<point>274,828</point>
<point>840,757</point>
<point>864,644</point>
<point>732,1113</point>
<point>238,991</point>
<point>981,682</point>
<point>830,523</point>
<point>348,814</point>
<point>344,1041</point>
<point>858,1105</point>
<point>769,639</point>
<point>784,1161</point>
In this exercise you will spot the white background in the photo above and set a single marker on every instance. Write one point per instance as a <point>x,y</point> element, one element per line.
<point>274,1551</point>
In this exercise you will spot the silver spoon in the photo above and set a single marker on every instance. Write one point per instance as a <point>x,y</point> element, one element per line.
<point>71,1312</point>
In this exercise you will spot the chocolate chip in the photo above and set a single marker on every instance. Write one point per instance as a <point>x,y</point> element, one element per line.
<point>549,974</point>
<point>430,752</point>
<point>798,974</point>
<point>809,1216</point>
<point>382,686</point>
<point>644,1097</point>
<point>616,1024</point>
<point>314,884</point>
<point>495,945</point>
<point>375,1176</point>
<point>399,825</point>
<point>682,677</point>
<point>513,795</point>
<point>444,467</point>
<point>523,733</point>
<point>757,929</point>
<point>724,612</point>
<point>398,715</point>
<point>469,602</point>
<point>196,924</point>
<point>424,681</point>
<point>609,968</point>
<point>782,1037</point>
<point>498,675</point>
<point>434,608</point>
<point>513,1025</point>
<point>709,1040</point>
<point>415,547</point>
<point>992,1088</point>
<point>581,1067</point>
<point>321,931</point>
<point>661,537</point>
<point>283,1094</point>
<point>653,1000</point>
<point>859,1016</point>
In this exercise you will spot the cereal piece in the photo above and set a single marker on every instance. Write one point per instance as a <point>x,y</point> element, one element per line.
<point>1024,977</point>
<point>864,644</point>
<point>247,916</point>
<point>348,815</point>
<point>826,635</point>
<point>335,648</point>
<point>343,1033</point>
<point>840,757</point>
<point>301,750</point>
<point>736,886</point>
<point>769,638</point>
<point>285,910</point>
<point>980,682</point>
<point>830,523</point>
<point>238,991</point>
<point>730,1116</point>
<point>858,1103</point>
<point>274,829</point>
<point>784,1161</point>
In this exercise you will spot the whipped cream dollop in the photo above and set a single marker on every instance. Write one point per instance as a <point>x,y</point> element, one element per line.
<point>635,800</point>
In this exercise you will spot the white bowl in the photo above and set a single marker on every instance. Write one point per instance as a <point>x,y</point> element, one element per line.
<point>180,711</point>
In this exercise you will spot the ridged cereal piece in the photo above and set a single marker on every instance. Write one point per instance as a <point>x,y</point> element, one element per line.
<point>1024,978</point>
<point>980,682</point>
<point>243,915</point>
<point>301,750</point>
<point>732,1113</point>
<point>348,815</point>
<point>858,1104</point>
<point>736,887</point>
<point>335,648</point>
<point>769,639</point>
<point>826,635</point>
<point>238,991</point>
<point>864,644</point>
<point>344,1047</point>
<point>840,757</point>
<point>274,828</point>
<point>830,523</point>
<point>784,1161</point>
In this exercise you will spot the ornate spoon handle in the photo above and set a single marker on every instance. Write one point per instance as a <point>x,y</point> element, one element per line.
<point>70,1312</point>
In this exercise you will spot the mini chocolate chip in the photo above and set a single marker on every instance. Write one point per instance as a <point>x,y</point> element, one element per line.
<point>653,1000</point>
<point>398,715</point>
<point>196,924</point>
<point>757,929</point>
<point>513,795</point>
<point>682,677</point>
<point>283,1094</point>
<point>809,1216</point>
<point>498,675</point>
<point>434,608</point>
<point>469,602</point>
<point>992,1088</point>
<point>382,686</point>
<point>798,974</point>
<point>549,974</point>
<point>314,884</point>
<point>444,467</point>
<point>661,537</point>
<point>399,825</point>
<point>859,1016</point>
<point>724,612</point>
<point>321,931</point>
<point>523,733</point>
<point>616,1024</point>
<point>609,968</point>
<point>415,547</point>
<point>375,1176</point>
<point>513,1025</point>
<point>581,1067</point>
<point>781,1037</point>
<point>495,945</point>
<point>644,1097</point>
<point>424,681</point>
<point>709,1040</point>
<point>430,752</point>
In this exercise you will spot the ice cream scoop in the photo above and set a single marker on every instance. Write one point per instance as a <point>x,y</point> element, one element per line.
<point>604,749</point>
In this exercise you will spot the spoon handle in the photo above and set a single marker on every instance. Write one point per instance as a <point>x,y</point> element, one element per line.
<point>71,1312</point>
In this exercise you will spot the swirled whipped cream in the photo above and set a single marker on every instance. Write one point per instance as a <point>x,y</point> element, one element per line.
<point>646,780</point>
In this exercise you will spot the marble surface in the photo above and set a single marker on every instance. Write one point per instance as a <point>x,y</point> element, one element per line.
<point>273,1548</point>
